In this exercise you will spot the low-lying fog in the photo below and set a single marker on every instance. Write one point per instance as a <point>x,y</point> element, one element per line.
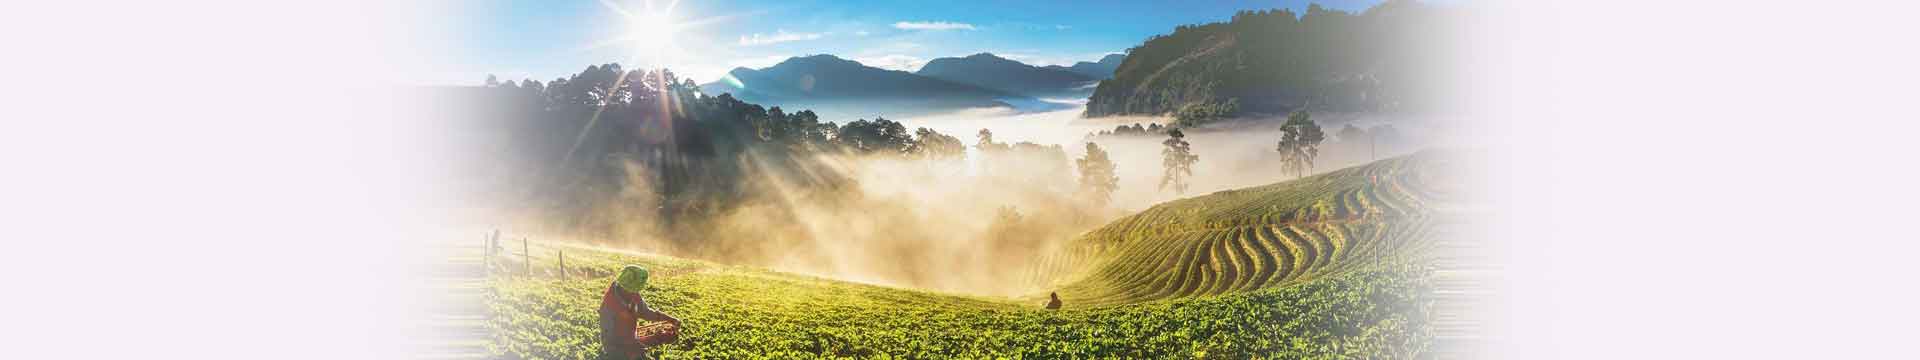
<point>1232,155</point>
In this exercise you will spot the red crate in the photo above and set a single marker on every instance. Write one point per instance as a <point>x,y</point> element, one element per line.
<point>656,334</point>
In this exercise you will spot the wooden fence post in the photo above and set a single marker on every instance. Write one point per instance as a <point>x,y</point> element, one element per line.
<point>526,256</point>
<point>563,263</point>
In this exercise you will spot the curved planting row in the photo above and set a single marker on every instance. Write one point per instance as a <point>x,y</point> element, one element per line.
<point>1242,240</point>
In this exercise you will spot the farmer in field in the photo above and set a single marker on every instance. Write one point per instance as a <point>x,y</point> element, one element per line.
<point>620,312</point>
<point>1053,304</point>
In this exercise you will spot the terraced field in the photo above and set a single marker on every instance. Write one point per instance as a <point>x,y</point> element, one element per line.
<point>1248,239</point>
<point>1331,266</point>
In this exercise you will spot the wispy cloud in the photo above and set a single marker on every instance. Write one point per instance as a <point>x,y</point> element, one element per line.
<point>778,36</point>
<point>932,25</point>
<point>1062,27</point>
<point>893,62</point>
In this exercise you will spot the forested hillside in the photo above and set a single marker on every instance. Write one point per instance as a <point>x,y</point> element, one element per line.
<point>612,146</point>
<point>1271,62</point>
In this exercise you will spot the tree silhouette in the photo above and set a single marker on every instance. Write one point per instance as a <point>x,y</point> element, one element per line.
<point>932,145</point>
<point>1097,178</point>
<point>1178,158</point>
<point>1299,143</point>
<point>880,136</point>
<point>986,141</point>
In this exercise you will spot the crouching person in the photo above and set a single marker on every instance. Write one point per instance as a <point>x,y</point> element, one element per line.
<point>621,309</point>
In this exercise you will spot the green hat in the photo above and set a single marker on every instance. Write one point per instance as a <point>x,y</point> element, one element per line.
<point>632,278</point>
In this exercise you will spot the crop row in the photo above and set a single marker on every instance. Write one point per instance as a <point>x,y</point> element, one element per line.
<point>1329,223</point>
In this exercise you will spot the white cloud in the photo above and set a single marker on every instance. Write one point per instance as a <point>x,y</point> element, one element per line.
<point>893,62</point>
<point>932,25</point>
<point>861,33</point>
<point>1062,27</point>
<point>778,36</point>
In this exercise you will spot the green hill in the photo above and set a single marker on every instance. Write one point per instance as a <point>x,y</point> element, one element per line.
<point>1247,239</point>
<point>1277,61</point>
<point>1324,267</point>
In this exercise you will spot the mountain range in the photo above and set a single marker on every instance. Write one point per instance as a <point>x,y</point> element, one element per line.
<point>993,72</point>
<point>838,88</point>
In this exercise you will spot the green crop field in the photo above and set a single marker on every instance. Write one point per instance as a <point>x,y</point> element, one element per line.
<point>1330,266</point>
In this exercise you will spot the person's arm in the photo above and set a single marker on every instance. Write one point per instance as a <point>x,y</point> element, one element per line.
<point>649,314</point>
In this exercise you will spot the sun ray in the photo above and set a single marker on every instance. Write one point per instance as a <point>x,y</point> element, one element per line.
<point>616,8</point>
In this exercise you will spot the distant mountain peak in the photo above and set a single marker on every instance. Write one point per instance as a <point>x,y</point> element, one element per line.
<point>821,59</point>
<point>984,55</point>
<point>1101,70</point>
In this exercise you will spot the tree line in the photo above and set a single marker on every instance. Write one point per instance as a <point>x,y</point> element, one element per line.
<point>653,147</point>
<point>589,141</point>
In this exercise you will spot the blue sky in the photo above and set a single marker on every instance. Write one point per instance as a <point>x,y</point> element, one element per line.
<point>545,39</point>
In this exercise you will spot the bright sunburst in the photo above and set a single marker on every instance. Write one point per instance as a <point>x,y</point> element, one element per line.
<point>650,32</point>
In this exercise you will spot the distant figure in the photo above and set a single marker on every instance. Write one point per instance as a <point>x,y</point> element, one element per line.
<point>494,243</point>
<point>1053,304</point>
<point>620,311</point>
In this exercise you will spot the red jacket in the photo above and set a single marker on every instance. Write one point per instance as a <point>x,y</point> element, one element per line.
<point>618,317</point>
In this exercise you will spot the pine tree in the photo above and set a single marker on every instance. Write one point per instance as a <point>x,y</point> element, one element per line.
<point>1178,158</point>
<point>1097,178</point>
<point>1299,144</point>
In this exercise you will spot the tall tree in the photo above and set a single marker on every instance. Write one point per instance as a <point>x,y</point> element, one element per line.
<point>1097,178</point>
<point>1178,158</point>
<point>1299,143</point>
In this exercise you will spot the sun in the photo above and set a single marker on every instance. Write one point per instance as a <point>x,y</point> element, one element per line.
<point>651,32</point>
<point>652,35</point>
